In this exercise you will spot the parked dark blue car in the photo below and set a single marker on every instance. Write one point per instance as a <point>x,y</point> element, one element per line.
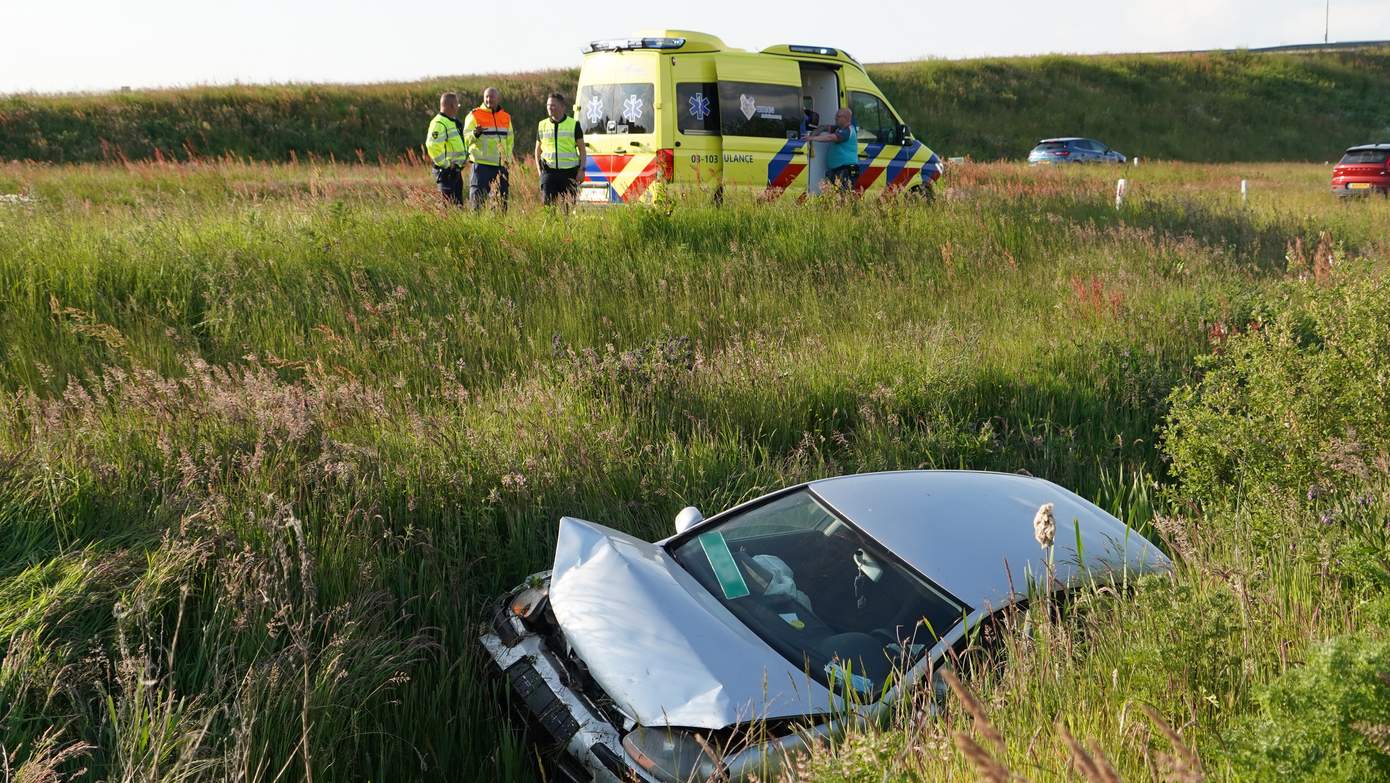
<point>1073,150</point>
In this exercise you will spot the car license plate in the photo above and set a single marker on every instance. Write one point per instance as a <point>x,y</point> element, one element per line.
<point>593,194</point>
<point>544,705</point>
<point>1358,186</point>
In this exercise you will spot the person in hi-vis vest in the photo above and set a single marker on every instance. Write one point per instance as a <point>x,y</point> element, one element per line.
<point>445,146</point>
<point>488,132</point>
<point>559,151</point>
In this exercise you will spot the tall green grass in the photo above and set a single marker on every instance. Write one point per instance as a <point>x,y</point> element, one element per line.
<point>271,437</point>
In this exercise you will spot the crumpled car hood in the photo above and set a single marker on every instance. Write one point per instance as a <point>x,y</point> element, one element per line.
<point>660,645</point>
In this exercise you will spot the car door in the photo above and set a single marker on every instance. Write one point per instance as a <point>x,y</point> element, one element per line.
<point>883,149</point>
<point>698,144</point>
<point>760,124</point>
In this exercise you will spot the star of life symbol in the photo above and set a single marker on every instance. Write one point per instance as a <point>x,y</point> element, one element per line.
<point>748,105</point>
<point>594,111</point>
<point>699,106</point>
<point>632,108</point>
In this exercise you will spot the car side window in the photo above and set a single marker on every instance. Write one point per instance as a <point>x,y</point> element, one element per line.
<point>771,111</point>
<point>875,120</point>
<point>697,108</point>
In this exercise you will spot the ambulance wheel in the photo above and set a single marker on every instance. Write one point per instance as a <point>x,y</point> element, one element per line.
<point>924,193</point>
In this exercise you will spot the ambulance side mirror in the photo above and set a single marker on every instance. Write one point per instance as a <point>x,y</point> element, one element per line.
<point>904,134</point>
<point>688,517</point>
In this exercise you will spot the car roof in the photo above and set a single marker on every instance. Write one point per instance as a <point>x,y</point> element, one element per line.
<point>1065,138</point>
<point>1359,147</point>
<point>971,532</point>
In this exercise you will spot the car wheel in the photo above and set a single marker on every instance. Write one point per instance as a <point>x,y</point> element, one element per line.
<point>924,193</point>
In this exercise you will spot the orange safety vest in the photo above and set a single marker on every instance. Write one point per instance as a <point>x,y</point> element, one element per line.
<point>489,136</point>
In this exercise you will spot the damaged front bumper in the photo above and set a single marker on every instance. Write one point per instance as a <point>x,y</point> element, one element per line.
<point>590,745</point>
<point>558,695</point>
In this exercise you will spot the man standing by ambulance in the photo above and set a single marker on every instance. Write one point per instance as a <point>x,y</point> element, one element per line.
<point>445,146</point>
<point>842,159</point>
<point>559,151</point>
<point>488,132</point>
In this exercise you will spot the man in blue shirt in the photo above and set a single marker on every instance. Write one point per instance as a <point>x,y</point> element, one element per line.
<point>842,160</point>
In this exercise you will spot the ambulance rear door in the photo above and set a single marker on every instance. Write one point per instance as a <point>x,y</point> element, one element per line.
<point>695,111</point>
<point>760,121</point>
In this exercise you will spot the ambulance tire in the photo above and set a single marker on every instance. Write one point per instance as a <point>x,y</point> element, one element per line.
<point>719,196</point>
<point>924,193</point>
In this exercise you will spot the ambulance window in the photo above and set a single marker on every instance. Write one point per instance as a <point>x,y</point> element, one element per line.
<point>765,110</point>
<point>875,120</point>
<point>615,108</point>
<point>697,105</point>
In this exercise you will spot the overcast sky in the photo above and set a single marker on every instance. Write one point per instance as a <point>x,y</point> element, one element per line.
<point>53,45</point>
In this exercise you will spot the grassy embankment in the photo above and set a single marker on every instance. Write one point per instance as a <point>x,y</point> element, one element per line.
<point>1197,107</point>
<point>271,436</point>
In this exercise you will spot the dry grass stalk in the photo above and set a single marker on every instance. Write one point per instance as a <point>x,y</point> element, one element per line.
<point>1182,765</point>
<point>1091,764</point>
<point>983,760</point>
<point>1378,734</point>
<point>986,765</point>
<point>1322,259</point>
<point>44,762</point>
<point>1045,526</point>
<point>973,706</point>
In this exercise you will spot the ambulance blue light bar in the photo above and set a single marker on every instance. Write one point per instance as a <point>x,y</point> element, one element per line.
<point>824,51</point>
<point>625,44</point>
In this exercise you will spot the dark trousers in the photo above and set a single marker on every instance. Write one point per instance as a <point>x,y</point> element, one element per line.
<point>843,177</point>
<point>450,182</point>
<point>558,184</point>
<point>483,181</point>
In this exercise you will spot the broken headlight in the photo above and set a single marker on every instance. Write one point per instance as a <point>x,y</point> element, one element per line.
<point>673,755</point>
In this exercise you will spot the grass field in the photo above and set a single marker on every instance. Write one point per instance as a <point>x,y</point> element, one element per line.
<point>272,435</point>
<point>1231,106</point>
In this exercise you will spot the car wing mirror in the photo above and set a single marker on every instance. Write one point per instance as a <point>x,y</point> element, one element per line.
<point>904,134</point>
<point>688,517</point>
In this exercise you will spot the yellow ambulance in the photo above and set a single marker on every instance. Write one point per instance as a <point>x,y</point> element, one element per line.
<point>679,110</point>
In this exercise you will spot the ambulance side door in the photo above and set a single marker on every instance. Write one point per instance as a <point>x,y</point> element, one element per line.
<point>695,118</point>
<point>760,120</point>
<point>885,151</point>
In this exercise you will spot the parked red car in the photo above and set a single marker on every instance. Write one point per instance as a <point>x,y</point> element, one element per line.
<point>1363,170</point>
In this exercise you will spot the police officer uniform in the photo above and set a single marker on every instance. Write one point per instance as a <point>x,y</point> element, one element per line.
<point>447,151</point>
<point>559,161</point>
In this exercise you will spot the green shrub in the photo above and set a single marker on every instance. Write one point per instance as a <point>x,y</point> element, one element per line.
<point>1313,721</point>
<point>1294,411</point>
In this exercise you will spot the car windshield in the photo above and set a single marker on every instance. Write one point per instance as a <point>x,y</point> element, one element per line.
<point>1365,156</point>
<point>818,591</point>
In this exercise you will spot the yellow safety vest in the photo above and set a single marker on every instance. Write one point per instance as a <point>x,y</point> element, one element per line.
<point>489,136</point>
<point>444,142</point>
<point>559,143</point>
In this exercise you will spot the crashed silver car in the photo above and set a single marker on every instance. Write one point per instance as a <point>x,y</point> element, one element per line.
<point>720,652</point>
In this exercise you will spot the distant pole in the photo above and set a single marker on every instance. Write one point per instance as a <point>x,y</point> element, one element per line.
<point>1326,21</point>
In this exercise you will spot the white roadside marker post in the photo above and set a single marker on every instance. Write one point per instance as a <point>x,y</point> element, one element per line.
<point>1121,188</point>
<point>1244,193</point>
<point>1136,161</point>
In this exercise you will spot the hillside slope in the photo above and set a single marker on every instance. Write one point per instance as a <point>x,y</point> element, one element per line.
<point>1202,107</point>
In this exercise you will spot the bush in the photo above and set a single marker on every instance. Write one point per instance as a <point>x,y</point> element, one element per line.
<point>1316,722</point>
<point>1295,410</point>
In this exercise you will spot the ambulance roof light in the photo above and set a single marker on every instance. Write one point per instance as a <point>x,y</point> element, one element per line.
<point>624,44</point>
<point>824,51</point>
